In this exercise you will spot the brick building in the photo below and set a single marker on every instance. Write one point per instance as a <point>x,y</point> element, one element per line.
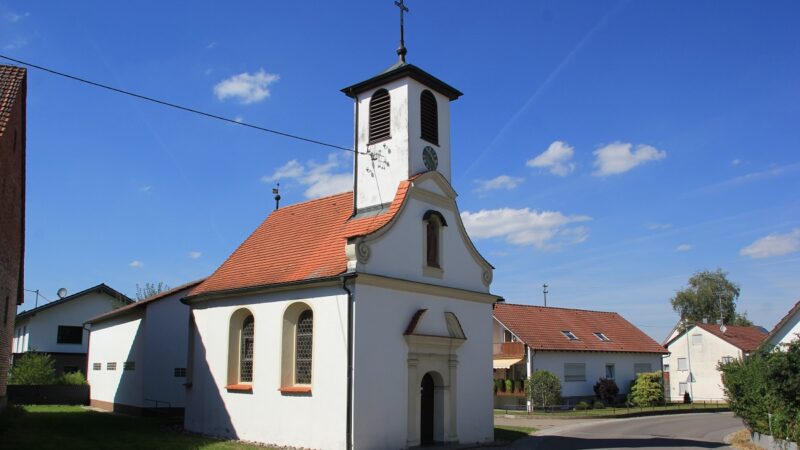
<point>13,87</point>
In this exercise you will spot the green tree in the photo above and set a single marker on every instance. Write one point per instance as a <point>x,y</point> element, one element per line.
<point>73,378</point>
<point>33,368</point>
<point>647,389</point>
<point>543,389</point>
<point>702,299</point>
<point>149,290</point>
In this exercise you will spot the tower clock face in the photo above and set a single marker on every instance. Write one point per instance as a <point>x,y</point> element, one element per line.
<point>430,158</point>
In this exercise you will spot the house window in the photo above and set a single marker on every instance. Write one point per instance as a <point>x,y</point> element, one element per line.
<point>727,359</point>
<point>697,339</point>
<point>246,356</point>
<point>241,348</point>
<point>574,372</point>
<point>429,117</point>
<point>682,364</point>
<point>180,372</point>
<point>610,371</point>
<point>682,388</point>
<point>641,368</point>
<point>111,366</point>
<point>601,336</point>
<point>571,336</point>
<point>303,353</point>
<point>97,366</point>
<point>70,335</point>
<point>129,365</point>
<point>380,116</point>
<point>508,337</point>
<point>666,367</point>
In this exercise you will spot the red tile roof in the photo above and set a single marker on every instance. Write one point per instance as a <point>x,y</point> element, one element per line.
<point>541,328</point>
<point>746,338</point>
<point>300,242</point>
<point>783,321</point>
<point>12,81</point>
<point>143,303</point>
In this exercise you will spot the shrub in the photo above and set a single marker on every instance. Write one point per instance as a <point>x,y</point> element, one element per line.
<point>606,390</point>
<point>687,399</point>
<point>73,378</point>
<point>543,389</point>
<point>519,386</point>
<point>499,385</point>
<point>647,389</point>
<point>598,405</point>
<point>582,406</point>
<point>509,386</point>
<point>767,383</point>
<point>33,368</point>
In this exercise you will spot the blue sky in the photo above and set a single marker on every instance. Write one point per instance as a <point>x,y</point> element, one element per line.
<point>607,148</point>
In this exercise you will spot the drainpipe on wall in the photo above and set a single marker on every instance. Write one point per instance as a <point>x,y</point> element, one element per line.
<point>350,340</point>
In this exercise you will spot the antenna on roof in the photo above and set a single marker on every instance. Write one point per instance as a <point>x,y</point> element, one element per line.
<point>62,293</point>
<point>544,291</point>
<point>276,191</point>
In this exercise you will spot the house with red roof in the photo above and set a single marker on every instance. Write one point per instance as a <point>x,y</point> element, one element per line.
<point>695,353</point>
<point>578,346</point>
<point>359,320</point>
<point>137,354</point>
<point>786,330</point>
<point>13,90</point>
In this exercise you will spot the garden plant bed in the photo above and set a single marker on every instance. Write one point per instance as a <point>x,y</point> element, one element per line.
<point>75,427</point>
<point>616,411</point>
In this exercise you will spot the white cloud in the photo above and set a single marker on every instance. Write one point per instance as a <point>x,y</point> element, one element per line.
<point>136,264</point>
<point>659,226</point>
<point>543,230</point>
<point>239,119</point>
<point>246,87</point>
<point>195,255</point>
<point>736,162</point>
<point>556,159</point>
<point>773,245</point>
<point>683,248</point>
<point>211,45</point>
<point>617,158</point>
<point>772,172</point>
<point>17,43</point>
<point>13,17</point>
<point>500,182</point>
<point>321,179</point>
<point>147,188</point>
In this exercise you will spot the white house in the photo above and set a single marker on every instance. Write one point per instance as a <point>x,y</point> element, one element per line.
<point>578,346</point>
<point>137,354</point>
<point>360,320</point>
<point>695,353</point>
<point>57,327</point>
<point>786,330</point>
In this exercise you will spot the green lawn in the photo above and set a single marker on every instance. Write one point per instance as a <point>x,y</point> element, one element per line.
<point>73,427</point>
<point>510,434</point>
<point>619,412</point>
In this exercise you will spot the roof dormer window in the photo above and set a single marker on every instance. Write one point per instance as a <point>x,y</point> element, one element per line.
<point>380,116</point>
<point>569,335</point>
<point>601,336</point>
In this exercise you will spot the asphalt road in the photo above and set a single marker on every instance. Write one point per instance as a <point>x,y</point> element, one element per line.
<point>679,431</point>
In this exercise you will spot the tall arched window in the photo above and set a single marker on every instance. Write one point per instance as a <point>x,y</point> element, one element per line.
<point>241,350</point>
<point>380,117</point>
<point>246,351</point>
<point>433,221</point>
<point>429,117</point>
<point>303,351</point>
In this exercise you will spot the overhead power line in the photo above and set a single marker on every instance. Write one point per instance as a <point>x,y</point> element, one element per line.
<point>173,105</point>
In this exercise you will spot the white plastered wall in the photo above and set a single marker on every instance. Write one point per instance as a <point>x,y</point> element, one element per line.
<point>381,364</point>
<point>788,332</point>
<point>702,360</point>
<point>166,332</point>
<point>266,415</point>
<point>117,340</point>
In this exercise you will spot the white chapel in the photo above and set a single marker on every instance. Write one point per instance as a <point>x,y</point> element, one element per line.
<point>359,320</point>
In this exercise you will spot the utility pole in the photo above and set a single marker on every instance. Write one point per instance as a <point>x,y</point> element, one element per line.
<point>544,291</point>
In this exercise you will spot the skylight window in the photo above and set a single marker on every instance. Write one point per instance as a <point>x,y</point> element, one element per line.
<point>601,336</point>
<point>570,335</point>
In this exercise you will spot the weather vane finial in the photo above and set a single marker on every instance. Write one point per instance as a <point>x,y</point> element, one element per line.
<point>401,51</point>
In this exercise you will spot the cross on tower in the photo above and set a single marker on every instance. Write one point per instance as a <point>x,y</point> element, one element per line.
<point>401,51</point>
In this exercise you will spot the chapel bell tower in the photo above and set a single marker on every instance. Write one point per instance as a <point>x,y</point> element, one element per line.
<point>402,122</point>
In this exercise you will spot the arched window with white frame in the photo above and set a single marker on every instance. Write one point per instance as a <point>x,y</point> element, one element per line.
<point>241,350</point>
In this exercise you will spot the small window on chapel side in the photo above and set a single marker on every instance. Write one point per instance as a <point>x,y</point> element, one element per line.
<point>432,243</point>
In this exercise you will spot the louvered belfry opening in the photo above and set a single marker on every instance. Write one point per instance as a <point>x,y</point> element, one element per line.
<point>429,117</point>
<point>380,118</point>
